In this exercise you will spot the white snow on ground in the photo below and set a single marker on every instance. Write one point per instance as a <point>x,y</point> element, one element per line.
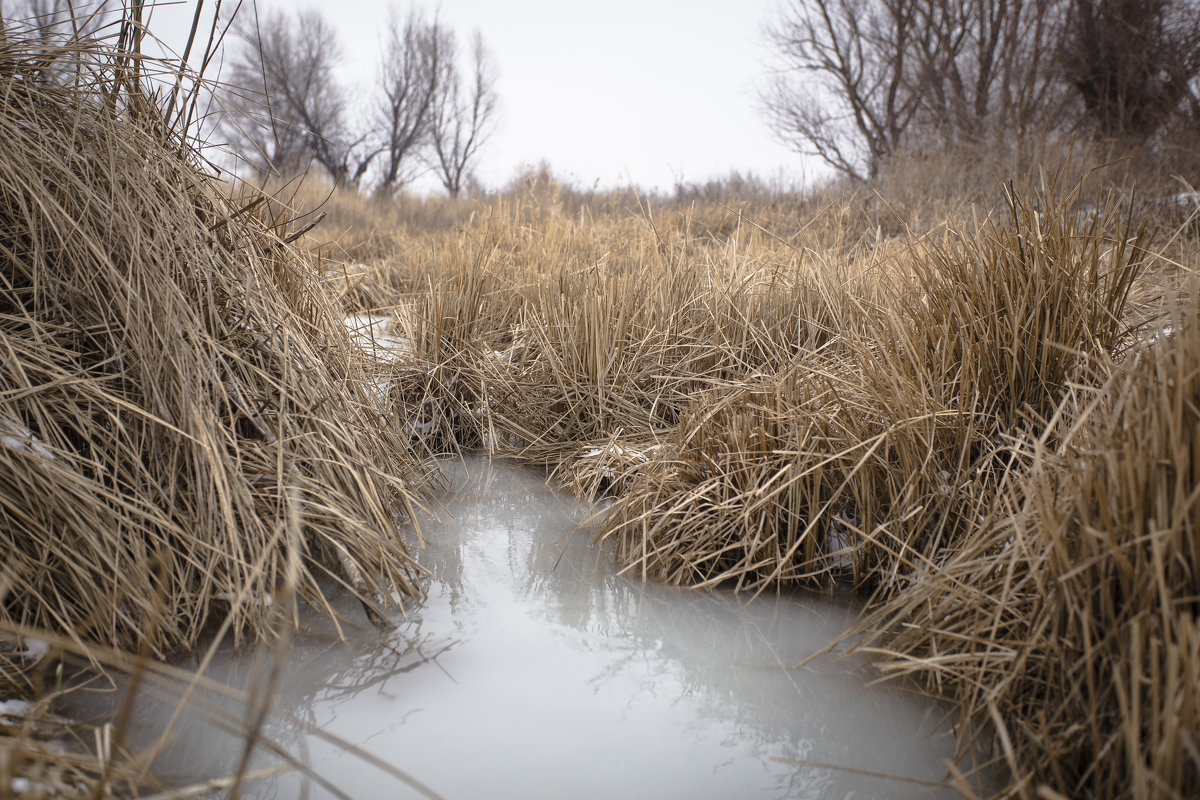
<point>11,646</point>
<point>16,436</point>
<point>24,786</point>
<point>1182,200</point>
<point>34,648</point>
<point>14,708</point>
<point>1165,332</point>
<point>416,425</point>
<point>839,541</point>
<point>372,333</point>
<point>615,450</point>
<point>378,389</point>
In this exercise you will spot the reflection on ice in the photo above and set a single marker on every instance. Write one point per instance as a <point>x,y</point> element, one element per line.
<point>534,671</point>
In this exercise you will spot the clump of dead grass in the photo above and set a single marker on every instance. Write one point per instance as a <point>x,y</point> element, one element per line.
<point>1067,626</point>
<point>185,437</point>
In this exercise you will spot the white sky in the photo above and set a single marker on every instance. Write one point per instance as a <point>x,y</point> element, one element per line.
<point>643,90</point>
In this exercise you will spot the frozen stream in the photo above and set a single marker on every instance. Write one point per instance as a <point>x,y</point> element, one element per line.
<point>541,674</point>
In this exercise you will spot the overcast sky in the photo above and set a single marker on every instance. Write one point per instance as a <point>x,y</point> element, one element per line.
<point>647,91</point>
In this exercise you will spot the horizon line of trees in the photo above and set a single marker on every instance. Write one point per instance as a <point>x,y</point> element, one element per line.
<point>862,80</point>
<point>284,108</point>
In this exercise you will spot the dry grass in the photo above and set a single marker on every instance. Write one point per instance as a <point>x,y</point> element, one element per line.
<point>950,402</point>
<point>187,442</point>
<point>836,388</point>
<point>1068,625</point>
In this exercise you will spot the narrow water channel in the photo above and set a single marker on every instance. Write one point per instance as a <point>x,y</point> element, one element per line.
<point>533,671</point>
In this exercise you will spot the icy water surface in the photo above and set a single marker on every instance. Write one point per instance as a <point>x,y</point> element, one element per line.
<point>532,671</point>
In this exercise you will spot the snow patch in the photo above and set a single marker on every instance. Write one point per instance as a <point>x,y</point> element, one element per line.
<point>418,426</point>
<point>14,708</point>
<point>16,436</point>
<point>372,334</point>
<point>34,649</point>
<point>616,451</point>
<point>1162,334</point>
<point>840,541</point>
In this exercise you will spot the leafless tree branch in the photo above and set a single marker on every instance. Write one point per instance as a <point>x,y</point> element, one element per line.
<point>863,79</point>
<point>463,116</point>
<point>286,107</point>
<point>411,78</point>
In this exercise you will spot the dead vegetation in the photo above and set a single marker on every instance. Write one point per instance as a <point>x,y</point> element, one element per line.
<point>186,441</point>
<point>982,414</point>
<point>972,421</point>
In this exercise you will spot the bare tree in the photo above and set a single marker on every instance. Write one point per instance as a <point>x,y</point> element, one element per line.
<point>287,108</point>
<point>988,68</point>
<point>463,116</point>
<point>846,92</point>
<point>1134,63</point>
<point>411,79</point>
<point>896,74</point>
<point>1031,92</point>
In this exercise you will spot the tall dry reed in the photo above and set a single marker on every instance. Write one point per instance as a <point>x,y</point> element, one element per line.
<point>1066,627</point>
<point>187,439</point>
<point>799,394</point>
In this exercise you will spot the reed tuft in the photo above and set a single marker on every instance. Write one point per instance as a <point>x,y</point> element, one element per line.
<point>182,415</point>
